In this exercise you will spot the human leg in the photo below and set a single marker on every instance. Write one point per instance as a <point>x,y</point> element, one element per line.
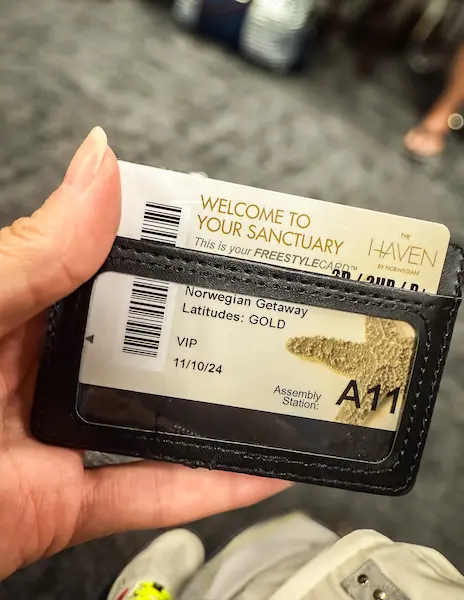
<point>428,139</point>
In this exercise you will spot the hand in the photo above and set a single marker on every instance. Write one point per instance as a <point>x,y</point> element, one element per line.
<point>47,499</point>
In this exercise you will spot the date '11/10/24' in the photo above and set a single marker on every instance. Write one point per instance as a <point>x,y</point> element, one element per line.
<point>197,365</point>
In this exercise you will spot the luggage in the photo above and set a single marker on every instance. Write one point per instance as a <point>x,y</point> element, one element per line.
<point>274,34</point>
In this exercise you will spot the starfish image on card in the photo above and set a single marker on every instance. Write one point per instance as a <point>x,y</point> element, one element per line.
<point>378,368</point>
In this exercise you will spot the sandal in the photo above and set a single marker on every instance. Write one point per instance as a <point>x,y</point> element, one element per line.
<point>423,136</point>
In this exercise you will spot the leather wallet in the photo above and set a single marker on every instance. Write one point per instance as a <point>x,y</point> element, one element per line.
<point>346,454</point>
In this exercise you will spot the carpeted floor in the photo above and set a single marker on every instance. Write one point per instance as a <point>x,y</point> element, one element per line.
<point>166,98</point>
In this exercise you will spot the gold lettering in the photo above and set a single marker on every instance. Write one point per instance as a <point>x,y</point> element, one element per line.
<point>223,207</point>
<point>262,234</point>
<point>273,235</point>
<point>251,216</point>
<point>338,245</point>
<point>209,203</point>
<point>415,254</point>
<point>236,209</point>
<point>213,224</point>
<point>237,228</point>
<point>401,256</point>
<point>284,238</point>
<point>202,220</point>
<point>391,248</point>
<point>303,239</point>
<point>318,244</point>
<point>251,235</point>
<point>426,254</point>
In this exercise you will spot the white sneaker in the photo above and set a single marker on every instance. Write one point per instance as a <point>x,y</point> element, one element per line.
<point>161,570</point>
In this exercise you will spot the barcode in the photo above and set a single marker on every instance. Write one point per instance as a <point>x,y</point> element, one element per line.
<point>161,223</point>
<point>146,316</point>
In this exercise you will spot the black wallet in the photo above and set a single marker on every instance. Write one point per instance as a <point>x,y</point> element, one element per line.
<point>343,452</point>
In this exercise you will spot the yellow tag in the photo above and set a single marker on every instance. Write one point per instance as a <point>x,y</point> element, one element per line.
<point>150,591</point>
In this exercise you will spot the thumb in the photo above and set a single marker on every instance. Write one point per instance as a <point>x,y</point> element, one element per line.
<point>48,255</point>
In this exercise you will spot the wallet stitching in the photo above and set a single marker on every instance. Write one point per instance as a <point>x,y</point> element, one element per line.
<point>426,419</point>
<point>50,331</point>
<point>417,394</point>
<point>380,301</point>
<point>51,337</point>
<point>459,275</point>
<point>249,470</point>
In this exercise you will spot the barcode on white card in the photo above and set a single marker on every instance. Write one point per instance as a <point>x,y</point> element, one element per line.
<point>161,223</point>
<point>147,312</point>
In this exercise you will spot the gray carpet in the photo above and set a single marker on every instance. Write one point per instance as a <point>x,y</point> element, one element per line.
<point>168,99</point>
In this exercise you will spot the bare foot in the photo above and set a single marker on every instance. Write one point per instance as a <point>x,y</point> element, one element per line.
<point>425,142</point>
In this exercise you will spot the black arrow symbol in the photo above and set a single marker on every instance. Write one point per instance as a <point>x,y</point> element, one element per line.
<point>90,338</point>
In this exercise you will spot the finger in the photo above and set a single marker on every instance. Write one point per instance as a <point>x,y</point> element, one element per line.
<point>19,351</point>
<point>151,495</point>
<point>46,256</point>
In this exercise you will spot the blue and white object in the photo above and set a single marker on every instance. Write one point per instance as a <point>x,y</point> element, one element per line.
<point>272,33</point>
<point>275,32</point>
